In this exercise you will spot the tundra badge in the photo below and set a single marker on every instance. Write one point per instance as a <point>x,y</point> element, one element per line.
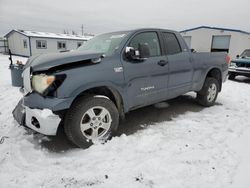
<point>147,88</point>
<point>118,69</point>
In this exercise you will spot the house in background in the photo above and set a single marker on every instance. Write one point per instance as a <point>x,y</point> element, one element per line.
<point>28,43</point>
<point>214,39</point>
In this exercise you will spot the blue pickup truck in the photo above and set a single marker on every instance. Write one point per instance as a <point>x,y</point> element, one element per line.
<point>88,91</point>
<point>240,66</point>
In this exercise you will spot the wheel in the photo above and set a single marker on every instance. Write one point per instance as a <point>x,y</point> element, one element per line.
<point>208,94</point>
<point>91,119</point>
<point>231,76</point>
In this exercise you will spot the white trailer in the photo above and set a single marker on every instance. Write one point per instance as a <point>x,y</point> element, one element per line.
<point>28,43</point>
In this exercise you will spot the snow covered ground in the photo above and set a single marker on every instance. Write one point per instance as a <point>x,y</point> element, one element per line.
<point>205,147</point>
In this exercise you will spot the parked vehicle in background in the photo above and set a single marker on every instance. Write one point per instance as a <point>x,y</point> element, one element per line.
<point>89,90</point>
<point>240,66</point>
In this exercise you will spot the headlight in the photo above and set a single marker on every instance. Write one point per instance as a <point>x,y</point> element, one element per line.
<point>232,64</point>
<point>41,82</point>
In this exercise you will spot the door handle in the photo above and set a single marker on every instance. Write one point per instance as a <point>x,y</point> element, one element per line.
<point>162,62</point>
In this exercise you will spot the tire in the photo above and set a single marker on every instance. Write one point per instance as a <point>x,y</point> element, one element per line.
<point>209,92</point>
<point>91,119</point>
<point>231,76</point>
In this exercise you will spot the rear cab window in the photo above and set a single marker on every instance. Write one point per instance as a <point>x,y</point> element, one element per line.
<point>171,42</point>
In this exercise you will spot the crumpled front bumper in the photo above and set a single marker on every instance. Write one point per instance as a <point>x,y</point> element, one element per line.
<point>43,121</point>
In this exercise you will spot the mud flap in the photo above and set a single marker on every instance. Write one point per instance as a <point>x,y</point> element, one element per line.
<point>19,113</point>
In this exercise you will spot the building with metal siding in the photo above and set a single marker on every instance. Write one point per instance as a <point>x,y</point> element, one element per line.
<point>214,39</point>
<point>28,43</point>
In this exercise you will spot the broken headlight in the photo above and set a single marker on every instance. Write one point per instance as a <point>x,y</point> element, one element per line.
<point>41,82</point>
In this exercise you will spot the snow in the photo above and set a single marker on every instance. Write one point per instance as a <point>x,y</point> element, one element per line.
<point>52,35</point>
<point>208,147</point>
<point>46,113</point>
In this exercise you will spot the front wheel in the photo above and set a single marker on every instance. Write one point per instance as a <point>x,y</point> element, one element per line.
<point>209,92</point>
<point>91,119</point>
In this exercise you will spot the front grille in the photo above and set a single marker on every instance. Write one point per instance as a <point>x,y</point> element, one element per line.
<point>246,65</point>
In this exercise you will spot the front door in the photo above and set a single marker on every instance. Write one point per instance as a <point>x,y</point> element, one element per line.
<point>146,80</point>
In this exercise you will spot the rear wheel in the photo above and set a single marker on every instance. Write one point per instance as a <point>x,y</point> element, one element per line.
<point>91,119</point>
<point>209,92</point>
<point>231,76</point>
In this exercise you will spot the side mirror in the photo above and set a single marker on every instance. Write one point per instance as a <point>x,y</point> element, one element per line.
<point>141,54</point>
<point>131,53</point>
<point>237,56</point>
<point>193,50</point>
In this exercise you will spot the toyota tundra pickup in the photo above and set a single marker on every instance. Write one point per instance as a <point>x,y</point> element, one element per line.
<point>87,91</point>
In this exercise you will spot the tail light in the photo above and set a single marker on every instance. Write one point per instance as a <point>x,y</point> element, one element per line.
<point>228,59</point>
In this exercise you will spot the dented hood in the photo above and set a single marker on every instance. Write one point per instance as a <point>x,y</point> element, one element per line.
<point>48,61</point>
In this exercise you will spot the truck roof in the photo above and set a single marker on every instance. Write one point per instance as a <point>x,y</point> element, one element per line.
<point>159,29</point>
<point>145,29</point>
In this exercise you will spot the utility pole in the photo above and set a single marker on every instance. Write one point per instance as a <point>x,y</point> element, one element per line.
<point>82,29</point>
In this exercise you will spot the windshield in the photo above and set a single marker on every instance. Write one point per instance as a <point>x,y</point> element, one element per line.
<point>105,43</point>
<point>246,53</point>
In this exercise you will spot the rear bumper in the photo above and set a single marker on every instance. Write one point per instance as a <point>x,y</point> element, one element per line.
<point>43,121</point>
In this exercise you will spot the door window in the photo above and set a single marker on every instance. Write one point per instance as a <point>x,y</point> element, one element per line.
<point>149,38</point>
<point>172,44</point>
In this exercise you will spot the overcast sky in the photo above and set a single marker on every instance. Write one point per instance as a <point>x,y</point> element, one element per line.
<point>99,16</point>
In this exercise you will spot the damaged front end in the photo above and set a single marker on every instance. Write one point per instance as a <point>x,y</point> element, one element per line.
<point>41,105</point>
<point>41,120</point>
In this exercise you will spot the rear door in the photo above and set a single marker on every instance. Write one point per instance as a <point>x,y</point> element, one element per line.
<point>180,66</point>
<point>146,80</point>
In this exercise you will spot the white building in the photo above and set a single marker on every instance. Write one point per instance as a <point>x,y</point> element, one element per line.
<point>213,39</point>
<point>28,43</point>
